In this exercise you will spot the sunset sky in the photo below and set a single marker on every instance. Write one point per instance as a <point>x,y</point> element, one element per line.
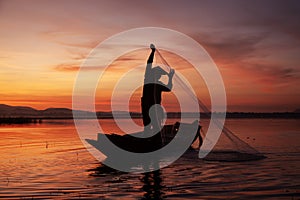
<point>255,44</point>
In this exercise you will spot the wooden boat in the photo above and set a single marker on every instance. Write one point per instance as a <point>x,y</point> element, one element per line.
<point>132,143</point>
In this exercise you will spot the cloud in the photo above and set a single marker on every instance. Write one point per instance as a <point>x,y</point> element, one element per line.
<point>230,48</point>
<point>289,72</point>
<point>4,57</point>
<point>282,17</point>
<point>67,67</point>
<point>278,74</point>
<point>256,52</point>
<point>87,44</point>
<point>72,67</point>
<point>121,64</point>
<point>70,39</point>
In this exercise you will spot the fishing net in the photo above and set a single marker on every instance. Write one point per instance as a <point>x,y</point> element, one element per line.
<point>230,147</point>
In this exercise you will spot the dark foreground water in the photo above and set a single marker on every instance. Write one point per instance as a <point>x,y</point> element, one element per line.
<point>48,161</point>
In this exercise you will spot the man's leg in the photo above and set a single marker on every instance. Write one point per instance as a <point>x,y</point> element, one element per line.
<point>156,118</point>
<point>146,118</point>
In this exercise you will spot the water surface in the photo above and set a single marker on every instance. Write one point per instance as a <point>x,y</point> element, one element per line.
<point>48,161</point>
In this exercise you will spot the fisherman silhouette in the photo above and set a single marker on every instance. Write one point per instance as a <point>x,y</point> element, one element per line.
<point>152,111</point>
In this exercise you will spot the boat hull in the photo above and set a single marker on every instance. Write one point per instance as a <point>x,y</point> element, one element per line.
<point>135,144</point>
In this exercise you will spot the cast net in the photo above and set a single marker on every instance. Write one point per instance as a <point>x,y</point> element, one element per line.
<point>229,147</point>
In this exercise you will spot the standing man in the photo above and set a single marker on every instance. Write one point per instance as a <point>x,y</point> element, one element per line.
<point>151,100</point>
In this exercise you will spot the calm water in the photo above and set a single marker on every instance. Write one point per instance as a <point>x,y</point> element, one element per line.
<point>48,161</point>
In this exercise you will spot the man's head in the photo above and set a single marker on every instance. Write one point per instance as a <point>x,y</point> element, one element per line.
<point>158,72</point>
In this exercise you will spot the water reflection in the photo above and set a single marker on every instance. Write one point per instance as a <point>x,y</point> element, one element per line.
<point>103,170</point>
<point>151,182</point>
<point>152,185</point>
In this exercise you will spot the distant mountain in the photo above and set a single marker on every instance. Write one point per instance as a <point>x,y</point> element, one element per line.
<point>17,111</point>
<point>7,111</point>
<point>297,110</point>
<point>28,112</point>
<point>62,112</point>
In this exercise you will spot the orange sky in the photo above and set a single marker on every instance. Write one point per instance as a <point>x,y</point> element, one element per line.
<point>256,46</point>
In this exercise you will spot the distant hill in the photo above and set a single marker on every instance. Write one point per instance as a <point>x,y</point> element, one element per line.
<point>57,112</point>
<point>7,111</point>
<point>297,110</point>
<point>17,111</point>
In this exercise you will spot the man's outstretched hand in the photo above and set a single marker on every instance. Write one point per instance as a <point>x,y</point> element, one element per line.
<point>152,47</point>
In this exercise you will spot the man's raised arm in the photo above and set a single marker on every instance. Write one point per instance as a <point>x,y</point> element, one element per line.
<point>150,59</point>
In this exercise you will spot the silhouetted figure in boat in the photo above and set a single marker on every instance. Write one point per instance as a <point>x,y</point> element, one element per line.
<point>151,109</point>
